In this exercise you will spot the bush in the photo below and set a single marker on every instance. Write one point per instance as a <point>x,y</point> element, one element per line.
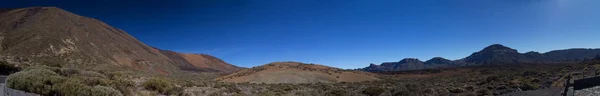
<point>36,80</point>
<point>530,86</point>
<point>373,91</point>
<point>482,92</point>
<point>91,74</point>
<point>122,85</point>
<point>73,87</point>
<point>6,69</point>
<point>162,86</point>
<point>105,91</point>
<point>337,92</point>
<point>456,90</point>
<point>68,71</point>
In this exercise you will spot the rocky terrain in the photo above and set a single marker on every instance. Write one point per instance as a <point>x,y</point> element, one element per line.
<point>296,72</point>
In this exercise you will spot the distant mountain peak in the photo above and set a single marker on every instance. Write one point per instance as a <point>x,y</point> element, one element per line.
<point>410,60</point>
<point>498,47</point>
<point>438,60</point>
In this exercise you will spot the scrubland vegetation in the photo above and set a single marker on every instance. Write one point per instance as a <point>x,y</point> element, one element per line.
<point>472,81</point>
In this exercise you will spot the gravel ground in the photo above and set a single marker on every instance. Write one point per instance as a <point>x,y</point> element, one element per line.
<point>594,91</point>
<point>541,92</point>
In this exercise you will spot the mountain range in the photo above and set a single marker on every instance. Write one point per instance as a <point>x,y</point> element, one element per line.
<point>495,54</point>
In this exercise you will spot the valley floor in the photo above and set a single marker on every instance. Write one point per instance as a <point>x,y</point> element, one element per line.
<point>528,80</point>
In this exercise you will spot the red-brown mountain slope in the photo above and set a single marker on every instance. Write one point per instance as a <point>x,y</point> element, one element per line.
<point>51,35</point>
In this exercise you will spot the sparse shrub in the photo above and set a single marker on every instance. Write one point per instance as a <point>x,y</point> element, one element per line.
<point>482,92</point>
<point>373,91</point>
<point>268,93</point>
<point>51,64</point>
<point>93,81</point>
<point>35,80</point>
<point>502,87</point>
<point>91,74</point>
<point>162,86</point>
<point>336,92</point>
<point>529,86</point>
<point>232,89</point>
<point>114,75</point>
<point>535,80</point>
<point>456,90</point>
<point>122,85</point>
<point>73,87</point>
<point>105,91</point>
<point>68,71</point>
<point>492,78</point>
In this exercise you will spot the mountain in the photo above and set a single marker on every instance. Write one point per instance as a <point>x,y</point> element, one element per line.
<point>296,72</point>
<point>496,54</point>
<point>574,54</point>
<point>404,64</point>
<point>41,35</point>
<point>493,54</point>
<point>439,62</point>
<point>200,62</point>
<point>410,64</point>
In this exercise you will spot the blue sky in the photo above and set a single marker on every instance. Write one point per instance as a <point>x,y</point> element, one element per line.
<point>345,33</point>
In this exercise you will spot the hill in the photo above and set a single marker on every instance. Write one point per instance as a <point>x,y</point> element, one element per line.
<point>200,62</point>
<point>296,72</point>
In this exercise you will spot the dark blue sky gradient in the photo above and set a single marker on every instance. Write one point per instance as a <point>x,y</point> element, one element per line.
<point>344,33</point>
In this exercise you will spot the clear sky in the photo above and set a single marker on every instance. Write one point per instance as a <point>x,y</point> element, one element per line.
<point>344,33</point>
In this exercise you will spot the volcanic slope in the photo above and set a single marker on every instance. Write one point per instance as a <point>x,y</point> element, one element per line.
<point>200,62</point>
<point>42,35</point>
<point>296,72</point>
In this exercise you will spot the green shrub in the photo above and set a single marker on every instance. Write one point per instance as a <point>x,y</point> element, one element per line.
<point>93,81</point>
<point>73,87</point>
<point>105,91</point>
<point>162,86</point>
<point>68,71</point>
<point>91,74</point>
<point>35,80</point>
<point>373,91</point>
<point>6,69</point>
<point>122,85</point>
